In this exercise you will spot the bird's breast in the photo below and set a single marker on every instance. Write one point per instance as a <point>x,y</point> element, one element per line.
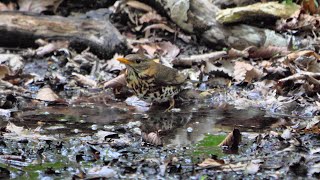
<point>146,89</point>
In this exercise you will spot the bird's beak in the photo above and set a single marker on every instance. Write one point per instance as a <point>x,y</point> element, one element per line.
<point>124,60</point>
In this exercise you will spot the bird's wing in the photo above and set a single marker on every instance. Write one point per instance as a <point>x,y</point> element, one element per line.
<point>169,76</point>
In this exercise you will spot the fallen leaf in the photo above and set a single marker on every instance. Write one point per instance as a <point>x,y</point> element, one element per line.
<point>314,121</point>
<point>211,162</point>
<point>252,168</point>
<point>14,129</point>
<point>152,138</point>
<point>20,133</point>
<point>310,6</point>
<point>5,113</point>
<point>234,53</point>
<point>246,72</point>
<point>232,140</point>
<point>13,61</point>
<point>114,65</point>
<point>286,134</point>
<point>168,49</point>
<point>102,135</point>
<point>99,172</point>
<point>224,66</point>
<point>84,80</point>
<point>299,20</point>
<point>4,70</point>
<point>150,48</point>
<point>294,55</point>
<point>46,94</point>
<point>118,82</point>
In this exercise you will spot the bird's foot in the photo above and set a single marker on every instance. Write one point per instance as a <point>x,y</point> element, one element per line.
<point>171,105</point>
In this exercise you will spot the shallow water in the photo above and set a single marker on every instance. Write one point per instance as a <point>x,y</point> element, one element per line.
<point>183,126</point>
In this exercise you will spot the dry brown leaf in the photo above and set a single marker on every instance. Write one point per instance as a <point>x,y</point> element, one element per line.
<point>299,20</point>
<point>305,60</point>
<point>232,140</point>
<point>39,6</point>
<point>150,48</point>
<point>246,72</point>
<point>164,49</point>
<point>4,70</point>
<point>168,49</point>
<point>224,66</point>
<point>118,82</point>
<point>211,162</point>
<point>152,138</point>
<point>46,94</point>
<point>84,80</point>
<point>234,53</point>
<point>310,6</point>
<point>293,56</point>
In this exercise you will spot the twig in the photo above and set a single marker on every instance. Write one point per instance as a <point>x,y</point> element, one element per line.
<point>300,76</point>
<point>198,58</point>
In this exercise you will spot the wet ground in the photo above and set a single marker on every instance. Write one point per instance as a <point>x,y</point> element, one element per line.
<point>85,136</point>
<point>184,126</point>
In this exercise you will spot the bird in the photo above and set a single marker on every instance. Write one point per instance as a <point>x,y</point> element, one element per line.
<point>152,81</point>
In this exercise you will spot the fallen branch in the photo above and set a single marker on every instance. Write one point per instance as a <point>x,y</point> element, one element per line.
<point>22,29</point>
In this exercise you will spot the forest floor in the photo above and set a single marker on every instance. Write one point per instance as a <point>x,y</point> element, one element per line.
<point>249,113</point>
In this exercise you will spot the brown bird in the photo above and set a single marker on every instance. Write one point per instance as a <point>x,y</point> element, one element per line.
<point>151,81</point>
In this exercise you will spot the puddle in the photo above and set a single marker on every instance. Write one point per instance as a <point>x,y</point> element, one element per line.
<point>184,127</point>
<point>190,134</point>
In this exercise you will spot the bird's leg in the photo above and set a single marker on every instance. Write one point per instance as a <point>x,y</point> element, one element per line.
<point>171,105</point>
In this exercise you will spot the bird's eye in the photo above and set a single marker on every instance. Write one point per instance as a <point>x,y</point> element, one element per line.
<point>138,61</point>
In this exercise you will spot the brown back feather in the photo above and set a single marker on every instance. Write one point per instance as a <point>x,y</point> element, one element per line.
<point>168,76</point>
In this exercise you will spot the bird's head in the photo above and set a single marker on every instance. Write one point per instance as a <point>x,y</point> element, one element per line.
<point>137,62</point>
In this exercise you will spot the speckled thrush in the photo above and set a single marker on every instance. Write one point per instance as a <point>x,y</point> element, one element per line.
<point>151,81</point>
